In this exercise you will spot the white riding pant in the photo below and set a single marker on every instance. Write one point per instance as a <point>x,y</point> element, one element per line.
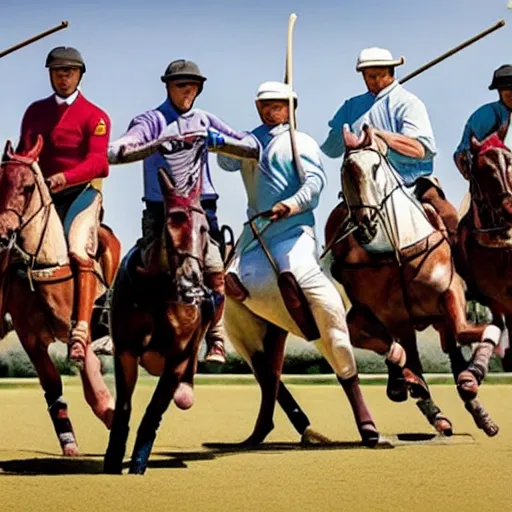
<point>246,323</point>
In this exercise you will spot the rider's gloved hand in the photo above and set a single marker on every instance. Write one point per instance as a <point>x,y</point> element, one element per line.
<point>214,139</point>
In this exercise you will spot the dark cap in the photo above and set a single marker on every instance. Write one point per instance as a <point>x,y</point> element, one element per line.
<point>65,56</point>
<point>502,78</point>
<point>181,68</point>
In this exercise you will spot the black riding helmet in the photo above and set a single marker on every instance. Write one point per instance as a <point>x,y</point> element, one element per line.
<point>502,78</point>
<point>65,57</point>
<point>181,69</point>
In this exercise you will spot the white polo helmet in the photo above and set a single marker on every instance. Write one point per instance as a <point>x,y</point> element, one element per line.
<point>275,91</point>
<point>377,57</point>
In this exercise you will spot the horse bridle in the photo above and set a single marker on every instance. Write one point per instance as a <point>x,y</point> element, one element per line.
<point>29,259</point>
<point>502,174</point>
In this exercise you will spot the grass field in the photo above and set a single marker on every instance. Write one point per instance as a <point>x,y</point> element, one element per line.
<point>468,472</point>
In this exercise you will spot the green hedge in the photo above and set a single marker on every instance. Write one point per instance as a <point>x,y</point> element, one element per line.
<point>302,358</point>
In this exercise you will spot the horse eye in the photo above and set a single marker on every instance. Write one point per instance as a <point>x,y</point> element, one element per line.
<point>375,168</point>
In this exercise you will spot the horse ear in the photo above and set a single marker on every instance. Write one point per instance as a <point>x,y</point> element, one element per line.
<point>165,182</point>
<point>367,137</point>
<point>8,151</point>
<point>33,154</point>
<point>350,139</point>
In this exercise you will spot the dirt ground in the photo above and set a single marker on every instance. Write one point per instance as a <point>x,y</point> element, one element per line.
<point>469,472</point>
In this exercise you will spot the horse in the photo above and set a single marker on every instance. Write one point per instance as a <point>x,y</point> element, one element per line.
<point>393,259</point>
<point>37,288</point>
<point>160,312</point>
<point>485,233</point>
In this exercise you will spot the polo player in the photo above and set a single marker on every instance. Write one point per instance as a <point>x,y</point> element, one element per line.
<point>73,159</point>
<point>487,119</point>
<point>273,182</point>
<point>484,121</point>
<point>184,82</point>
<point>401,120</point>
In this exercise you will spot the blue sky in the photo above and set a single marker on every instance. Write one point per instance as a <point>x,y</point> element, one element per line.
<point>238,45</point>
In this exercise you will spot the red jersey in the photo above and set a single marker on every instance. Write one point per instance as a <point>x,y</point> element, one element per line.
<point>75,137</point>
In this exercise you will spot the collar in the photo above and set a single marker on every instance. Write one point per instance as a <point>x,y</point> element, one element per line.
<point>69,100</point>
<point>278,129</point>
<point>169,112</point>
<point>393,85</point>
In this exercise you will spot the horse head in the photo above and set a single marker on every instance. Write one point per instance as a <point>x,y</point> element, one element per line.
<point>185,235</point>
<point>491,177</point>
<point>18,179</point>
<point>367,179</point>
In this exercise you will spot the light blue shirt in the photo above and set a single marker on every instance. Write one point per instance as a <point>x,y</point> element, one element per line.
<point>394,110</point>
<point>483,122</point>
<point>274,178</point>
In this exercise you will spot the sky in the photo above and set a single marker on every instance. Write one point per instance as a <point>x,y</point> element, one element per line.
<point>238,45</point>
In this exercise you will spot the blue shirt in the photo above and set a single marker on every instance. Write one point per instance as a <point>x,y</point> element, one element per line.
<point>394,110</point>
<point>274,178</point>
<point>483,122</point>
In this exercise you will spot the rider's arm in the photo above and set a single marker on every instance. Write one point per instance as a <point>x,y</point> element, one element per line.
<point>334,146</point>
<point>142,130</point>
<point>306,198</point>
<point>480,125</point>
<point>26,136</point>
<point>95,163</point>
<point>232,153</point>
<point>415,138</point>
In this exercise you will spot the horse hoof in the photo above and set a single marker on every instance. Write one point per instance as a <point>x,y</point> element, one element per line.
<point>184,396</point>
<point>482,418</point>
<point>467,386</point>
<point>369,436</point>
<point>70,450</point>
<point>312,437</point>
<point>444,427</point>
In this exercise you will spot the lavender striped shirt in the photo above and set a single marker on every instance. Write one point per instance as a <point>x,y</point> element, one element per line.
<point>185,165</point>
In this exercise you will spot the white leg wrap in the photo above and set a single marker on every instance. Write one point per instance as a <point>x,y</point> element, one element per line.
<point>396,354</point>
<point>492,334</point>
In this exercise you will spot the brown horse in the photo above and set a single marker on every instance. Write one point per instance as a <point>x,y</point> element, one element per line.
<point>391,256</point>
<point>159,315</point>
<point>37,285</point>
<point>486,230</point>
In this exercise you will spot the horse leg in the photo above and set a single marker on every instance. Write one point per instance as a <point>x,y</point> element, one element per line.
<point>267,365</point>
<point>160,401</point>
<point>298,417</point>
<point>51,383</point>
<point>418,388</point>
<point>335,346</point>
<point>458,364</point>
<point>126,366</point>
<point>96,392</point>
<point>487,338</point>
<point>507,356</point>
<point>368,333</point>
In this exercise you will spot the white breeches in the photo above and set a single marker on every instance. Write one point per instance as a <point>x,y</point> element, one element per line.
<point>246,323</point>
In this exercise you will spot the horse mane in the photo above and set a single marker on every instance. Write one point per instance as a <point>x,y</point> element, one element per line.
<point>494,141</point>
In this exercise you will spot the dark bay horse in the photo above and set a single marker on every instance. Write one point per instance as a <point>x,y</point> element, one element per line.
<point>37,288</point>
<point>486,230</point>
<point>396,266</point>
<point>159,315</point>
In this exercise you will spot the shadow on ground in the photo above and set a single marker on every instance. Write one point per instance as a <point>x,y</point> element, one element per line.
<point>90,464</point>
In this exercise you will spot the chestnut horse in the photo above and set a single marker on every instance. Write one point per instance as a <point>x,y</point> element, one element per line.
<point>37,286</point>
<point>486,230</point>
<point>159,315</point>
<point>396,266</point>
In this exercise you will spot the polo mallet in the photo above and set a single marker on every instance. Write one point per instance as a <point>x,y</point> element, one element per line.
<point>33,39</point>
